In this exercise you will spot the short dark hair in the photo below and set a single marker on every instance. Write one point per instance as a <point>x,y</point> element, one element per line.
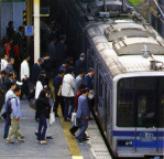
<point>85,90</point>
<point>91,69</point>
<point>17,88</point>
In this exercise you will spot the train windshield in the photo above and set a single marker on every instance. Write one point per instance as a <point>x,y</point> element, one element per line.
<point>140,102</point>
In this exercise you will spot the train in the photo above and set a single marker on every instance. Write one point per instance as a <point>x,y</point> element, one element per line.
<point>128,57</point>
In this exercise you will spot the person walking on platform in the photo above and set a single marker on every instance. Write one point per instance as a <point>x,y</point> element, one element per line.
<point>7,119</point>
<point>60,50</point>
<point>88,81</point>
<point>83,113</point>
<point>25,74</point>
<point>79,79</point>
<point>52,51</point>
<point>43,110</point>
<point>10,30</point>
<point>81,64</point>
<point>10,66</point>
<point>58,98</point>
<point>88,78</point>
<point>14,132</point>
<point>68,93</point>
<point>36,70</point>
<point>38,89</point>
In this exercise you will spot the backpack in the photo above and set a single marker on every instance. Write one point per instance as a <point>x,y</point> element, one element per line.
<point>8,110</point>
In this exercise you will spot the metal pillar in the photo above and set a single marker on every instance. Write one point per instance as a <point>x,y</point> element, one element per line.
<point>36,29</point>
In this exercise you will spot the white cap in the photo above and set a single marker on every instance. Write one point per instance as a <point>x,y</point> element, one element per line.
<point>19,83</point>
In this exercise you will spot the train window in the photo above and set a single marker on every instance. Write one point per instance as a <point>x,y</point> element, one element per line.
<point>140,102</point>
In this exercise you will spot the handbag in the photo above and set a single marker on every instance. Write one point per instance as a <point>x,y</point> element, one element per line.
<point>52,117</point>
<point>73,119</point>
<point>4,115</point>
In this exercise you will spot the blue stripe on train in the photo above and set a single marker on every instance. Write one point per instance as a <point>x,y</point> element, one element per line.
<point>137,133</point>
<point>148,144</point>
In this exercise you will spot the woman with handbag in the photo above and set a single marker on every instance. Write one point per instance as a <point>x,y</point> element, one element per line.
<point>43,110</point>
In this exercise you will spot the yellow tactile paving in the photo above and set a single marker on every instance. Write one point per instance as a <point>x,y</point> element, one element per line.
<point>77,157</point>
<point>72,144</point>
<point>71,141</point>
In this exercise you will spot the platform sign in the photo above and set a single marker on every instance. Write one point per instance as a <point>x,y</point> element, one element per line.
<point>29,31</point>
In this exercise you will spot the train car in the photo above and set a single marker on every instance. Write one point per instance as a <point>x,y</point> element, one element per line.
<point>128,56</point>
<point>129,61</point>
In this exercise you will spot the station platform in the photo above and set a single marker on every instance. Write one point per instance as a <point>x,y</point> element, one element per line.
<point>62,146</point>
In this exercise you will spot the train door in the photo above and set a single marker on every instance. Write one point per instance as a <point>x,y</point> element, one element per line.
<point>106,107</point>
<point>102,100</point>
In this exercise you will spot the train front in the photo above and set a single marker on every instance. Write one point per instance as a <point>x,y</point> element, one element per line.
<point>139,96</point>
<point>139,115</point>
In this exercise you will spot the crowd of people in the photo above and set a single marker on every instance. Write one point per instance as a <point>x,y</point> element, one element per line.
<point>72,83</point>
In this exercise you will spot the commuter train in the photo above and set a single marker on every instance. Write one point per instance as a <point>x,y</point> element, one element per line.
<point>128,56</point>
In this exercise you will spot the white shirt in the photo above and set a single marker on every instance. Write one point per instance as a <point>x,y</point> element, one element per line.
<point>38,89</point>
<point>25,70</point>
<point>68,86</point>
<point>4,64</point>
<point>9,94</point>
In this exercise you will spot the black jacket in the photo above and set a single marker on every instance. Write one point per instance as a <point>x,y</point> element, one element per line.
<point>43,107</point>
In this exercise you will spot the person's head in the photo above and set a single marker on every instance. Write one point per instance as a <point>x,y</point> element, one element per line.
<point>70,61</point>
<point>70,70</point>
<point>2,73</point>
<point>14,75</point>
<point>17,91</point>
<point>85,91</point>
<point>82,57</point>
<point>40,61</point>
<point>13,86</point>
<point>81,87</point>
<point>11,61</point>
<point>62,38</point>
<point>10,23</point>
<point>81,73</point>
<point>91,72</point>
<point>6,57</point>
<point>21,29</point>
<point>42,77</point>
<point>61,72</point>
<point>27,57</point>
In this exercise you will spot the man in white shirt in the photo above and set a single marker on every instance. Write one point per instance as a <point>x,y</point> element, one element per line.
<point>24,75</point>
<point>4,62</point>
<point>68,93</point>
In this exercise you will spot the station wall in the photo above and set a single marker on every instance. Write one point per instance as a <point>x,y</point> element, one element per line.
<point>10,11</point>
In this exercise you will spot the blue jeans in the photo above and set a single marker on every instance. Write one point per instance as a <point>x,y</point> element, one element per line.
<point>6,127</point>
<point>83,125</point>
<point>68,107</point>
<point>42,128</point>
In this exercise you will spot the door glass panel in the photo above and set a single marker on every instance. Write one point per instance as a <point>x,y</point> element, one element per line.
<point>146,110</point>
<point>140,102</point>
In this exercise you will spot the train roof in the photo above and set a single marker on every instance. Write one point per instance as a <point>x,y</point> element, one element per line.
<point>127,46</point>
